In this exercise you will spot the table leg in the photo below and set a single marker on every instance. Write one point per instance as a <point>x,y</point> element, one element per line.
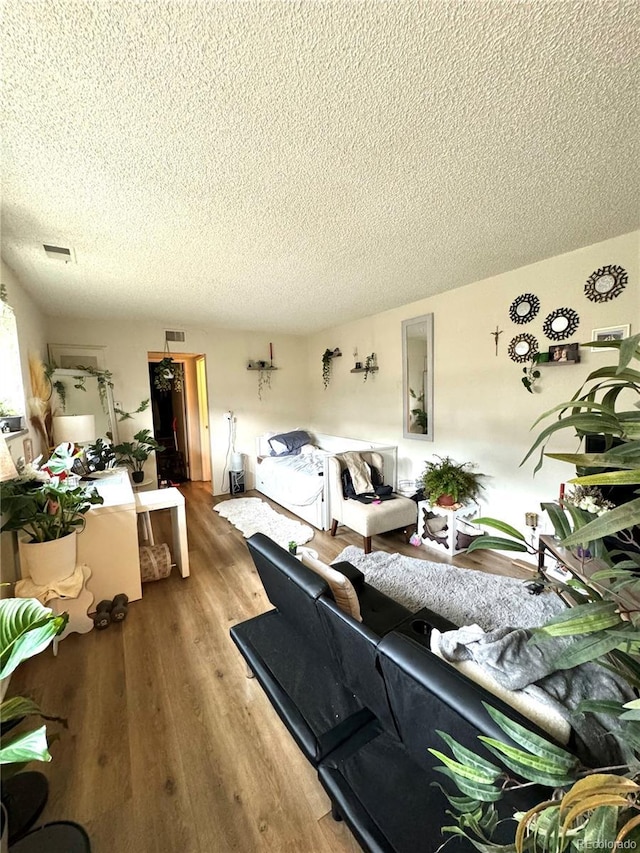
<point>180,545</point>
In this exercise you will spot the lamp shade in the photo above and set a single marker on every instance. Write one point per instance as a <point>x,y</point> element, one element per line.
<point>7,467</point>
<point>77,429</point>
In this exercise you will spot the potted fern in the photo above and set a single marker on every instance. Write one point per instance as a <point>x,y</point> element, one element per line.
<point>447,482</point>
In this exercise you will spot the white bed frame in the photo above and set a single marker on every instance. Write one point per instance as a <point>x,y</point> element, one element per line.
<point>318,513</point>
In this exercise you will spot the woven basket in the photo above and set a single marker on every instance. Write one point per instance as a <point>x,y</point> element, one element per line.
<point>155,562</point>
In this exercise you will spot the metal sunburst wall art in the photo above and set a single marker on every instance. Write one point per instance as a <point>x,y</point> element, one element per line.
<point>524,308</point>
<point>606,283</point>
<point>523,348</point>
<point>561,324</point>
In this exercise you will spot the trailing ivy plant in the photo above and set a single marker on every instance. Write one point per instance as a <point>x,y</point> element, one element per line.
<point>585,807</point>
<point>531,375</point>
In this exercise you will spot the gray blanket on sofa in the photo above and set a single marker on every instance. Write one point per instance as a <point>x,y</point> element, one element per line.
<point>518,664</point>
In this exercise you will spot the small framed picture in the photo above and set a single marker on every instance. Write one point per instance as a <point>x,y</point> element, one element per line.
<point>27,449</point>
<point>610,333</point>
<point>73,356</point>
<point>564,354</point>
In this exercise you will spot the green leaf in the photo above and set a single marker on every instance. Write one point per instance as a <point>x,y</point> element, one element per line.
<point>628,351</point>
<point>531,741</point>
<point>497,543</point>
<point>502,526</point>
<point>586,649</point>
<point>594,460</point>
<point>582,619</point>
<point>472,774</point>
<point>584,422</point>
<point>531,767</point>
<point>613,478</point>
<point>484,793</point>
<point>29,746</point>
<point>17,707</point>
<point>488,770</point>
<point>561,526</point>
<point>26,628</point>
<point>620,518</point>
<point>600,706</point>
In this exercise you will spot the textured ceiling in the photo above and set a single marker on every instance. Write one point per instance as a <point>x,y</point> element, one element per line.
<point>288,165</point>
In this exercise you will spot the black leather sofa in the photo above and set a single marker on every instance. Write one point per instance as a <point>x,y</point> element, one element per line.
<point>363,701</point>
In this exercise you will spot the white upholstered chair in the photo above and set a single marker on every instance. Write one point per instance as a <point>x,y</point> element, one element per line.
<point>368,519</point>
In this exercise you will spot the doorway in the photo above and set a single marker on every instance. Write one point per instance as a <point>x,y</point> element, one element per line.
<point>181,421</point>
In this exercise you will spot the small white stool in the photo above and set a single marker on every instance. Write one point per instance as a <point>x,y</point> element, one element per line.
<point>77,608</point>
<point>172,499</point>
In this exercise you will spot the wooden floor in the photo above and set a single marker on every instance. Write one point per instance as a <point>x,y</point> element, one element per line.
<point>170,748</point>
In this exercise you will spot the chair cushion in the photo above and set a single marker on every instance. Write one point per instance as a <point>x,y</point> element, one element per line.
<point>341,587</point>
<point>370,519</point>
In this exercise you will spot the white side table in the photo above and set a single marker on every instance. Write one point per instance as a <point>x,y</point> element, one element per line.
<point>172,499</point>
<point>447,529</point>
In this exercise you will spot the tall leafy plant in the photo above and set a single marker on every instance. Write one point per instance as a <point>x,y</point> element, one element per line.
<point>26,629</point>
<point>585,807</point>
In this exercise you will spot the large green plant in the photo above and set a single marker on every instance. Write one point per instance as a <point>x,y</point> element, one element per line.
<point>586,807</point>
<point>135,453</point>
<point>41,504</point>
<point>26,629</point>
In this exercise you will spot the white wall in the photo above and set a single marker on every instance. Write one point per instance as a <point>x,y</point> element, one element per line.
<point>230,384</point>
<point>482,411</point>
<point>31,324</point>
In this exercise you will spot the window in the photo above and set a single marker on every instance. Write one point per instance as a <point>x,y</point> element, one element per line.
<point>11,389</point>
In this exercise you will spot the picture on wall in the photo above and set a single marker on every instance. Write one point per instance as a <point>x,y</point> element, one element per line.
<point>73,356</point>
<point>610,333</point>
<point>564,354</point>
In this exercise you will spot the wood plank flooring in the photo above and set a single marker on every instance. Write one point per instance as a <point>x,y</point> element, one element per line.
<point>170,748</point>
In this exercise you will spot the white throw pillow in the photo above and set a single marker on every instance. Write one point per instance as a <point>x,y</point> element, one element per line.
<point>341,587</point>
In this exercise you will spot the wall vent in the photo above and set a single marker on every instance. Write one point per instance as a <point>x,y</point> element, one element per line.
<point>59,253</point>
<point>173,335</point>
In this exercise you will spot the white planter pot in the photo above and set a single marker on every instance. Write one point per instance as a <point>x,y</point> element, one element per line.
<point>50,561</point>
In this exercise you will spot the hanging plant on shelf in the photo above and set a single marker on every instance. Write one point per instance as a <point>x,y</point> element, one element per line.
<point>531,375</point>
<point>327,360</point>
<point>264,377</point>
<point>369,365</point>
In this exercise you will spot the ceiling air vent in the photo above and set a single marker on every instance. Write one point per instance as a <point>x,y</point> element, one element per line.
<point>173,335</point>
<point>59,253</point>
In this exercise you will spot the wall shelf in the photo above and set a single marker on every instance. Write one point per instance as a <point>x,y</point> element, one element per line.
<point>263,368</point>
<point>363,370</point>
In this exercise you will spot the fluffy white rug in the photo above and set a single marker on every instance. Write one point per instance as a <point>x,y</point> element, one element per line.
<point>253,515</point>
<point>463,596</point>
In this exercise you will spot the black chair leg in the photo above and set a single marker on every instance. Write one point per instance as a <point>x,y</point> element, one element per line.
<point>335,814</point>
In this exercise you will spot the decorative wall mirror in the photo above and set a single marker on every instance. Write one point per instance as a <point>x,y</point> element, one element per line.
<point>417,377</point>
<point>523,348</point>
<point>524,308</point>
<point>78,392</point>
<point>606,283</point>
<point>561,324</point>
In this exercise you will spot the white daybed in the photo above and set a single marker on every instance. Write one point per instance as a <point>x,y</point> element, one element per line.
<point>306,492</point>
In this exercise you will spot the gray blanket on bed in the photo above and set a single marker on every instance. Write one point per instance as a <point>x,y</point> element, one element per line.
<point>518,664</point>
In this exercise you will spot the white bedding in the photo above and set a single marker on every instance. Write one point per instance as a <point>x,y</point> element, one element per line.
<point>295,479</point>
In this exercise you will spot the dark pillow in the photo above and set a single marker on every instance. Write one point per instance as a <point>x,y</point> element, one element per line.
<point>288,443</point>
